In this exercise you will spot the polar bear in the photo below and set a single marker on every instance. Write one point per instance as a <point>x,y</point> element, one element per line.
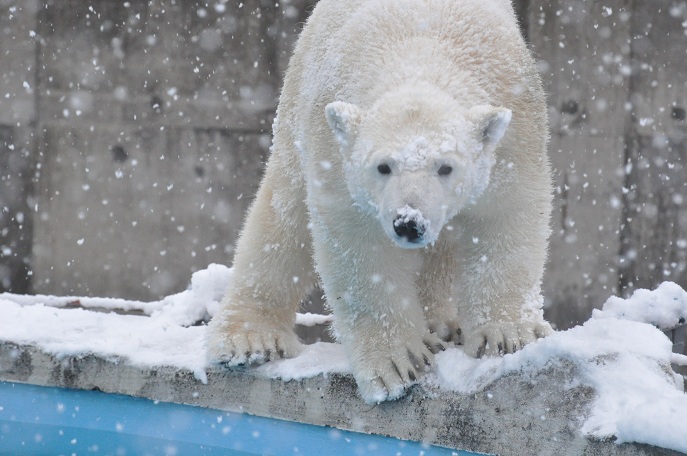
<point>409,176</point>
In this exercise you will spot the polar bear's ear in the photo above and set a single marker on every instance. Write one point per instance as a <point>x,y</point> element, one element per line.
<point>491,123</point>
<point>343,119</point>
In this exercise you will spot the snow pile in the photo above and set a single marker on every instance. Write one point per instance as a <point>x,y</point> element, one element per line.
<point>198,303</point>
<point>167,338</point>
<point>617,353</point>
<point>638,397</point>
<point>103,304</point>
<point>624,359</point>
<point>665,307</point>
<point>140,341</point>
<point>320,358</point>
<point>66,326</point>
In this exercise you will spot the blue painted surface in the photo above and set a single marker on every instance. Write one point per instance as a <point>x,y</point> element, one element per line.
<point>37,420</point>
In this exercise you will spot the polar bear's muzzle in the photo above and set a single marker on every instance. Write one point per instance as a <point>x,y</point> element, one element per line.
<point>410,227</point>
<point>409,230</point>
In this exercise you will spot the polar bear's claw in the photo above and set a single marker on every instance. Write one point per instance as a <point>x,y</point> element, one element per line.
<point>231,347</point>
<point>434,343</point>
<point>499,338</point>
<point>380,389</point>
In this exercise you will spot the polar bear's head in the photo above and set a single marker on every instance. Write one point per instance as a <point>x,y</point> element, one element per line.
<point>416,158</point>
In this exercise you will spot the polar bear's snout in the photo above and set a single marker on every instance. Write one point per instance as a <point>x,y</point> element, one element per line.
<point>410,230</point>
<point>410,227</point>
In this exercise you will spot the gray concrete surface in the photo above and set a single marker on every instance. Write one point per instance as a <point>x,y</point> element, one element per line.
<point>516,415</point>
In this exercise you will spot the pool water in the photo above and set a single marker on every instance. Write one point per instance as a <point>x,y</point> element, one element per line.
<point>38,420</point>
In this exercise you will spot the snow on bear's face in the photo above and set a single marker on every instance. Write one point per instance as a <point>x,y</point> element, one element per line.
<point>415,162</point>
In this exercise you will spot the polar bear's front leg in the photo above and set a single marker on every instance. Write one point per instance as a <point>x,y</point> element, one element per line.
<point>272,273</point>
<point>389,348</point>
<point>434,287</point>
<point>370,286</point>
<point>500,287</point>
<point>238,338</point>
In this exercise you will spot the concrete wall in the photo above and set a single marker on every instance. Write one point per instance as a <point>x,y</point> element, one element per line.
<point>148,127</point>
<point>17,144</point>
<point>618,145</point>
<point>132,140</point>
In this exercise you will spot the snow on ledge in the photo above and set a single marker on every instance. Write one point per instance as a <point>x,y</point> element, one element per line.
<point>620,352</point>
<point>665,307</point>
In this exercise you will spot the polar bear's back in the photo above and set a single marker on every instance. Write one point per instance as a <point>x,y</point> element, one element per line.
<point>383,39</point>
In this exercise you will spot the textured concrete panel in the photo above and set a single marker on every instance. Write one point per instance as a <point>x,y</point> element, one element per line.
<point>16,213</point>
<point>153,129</point>
<point>18,49</point>
<point>131,213</point>
<point>516,415</point>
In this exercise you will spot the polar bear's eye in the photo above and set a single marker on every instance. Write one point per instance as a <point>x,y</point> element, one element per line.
<point>445,170</point>
<point>384,169</point>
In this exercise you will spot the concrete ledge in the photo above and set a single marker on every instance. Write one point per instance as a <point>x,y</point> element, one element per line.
<point>516,415</point>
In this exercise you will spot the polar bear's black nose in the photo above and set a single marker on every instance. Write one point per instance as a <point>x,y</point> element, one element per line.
<point>408,229</point>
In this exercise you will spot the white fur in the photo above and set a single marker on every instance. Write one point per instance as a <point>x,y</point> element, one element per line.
<point>417,86</point>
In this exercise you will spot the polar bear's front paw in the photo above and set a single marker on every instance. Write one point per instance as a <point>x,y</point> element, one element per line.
<point>447,330</point>
<point>233,347</point>
<point>386,376</point>
<point>503,337</point>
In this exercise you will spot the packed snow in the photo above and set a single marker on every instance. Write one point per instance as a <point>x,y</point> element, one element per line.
<point>620,352</point>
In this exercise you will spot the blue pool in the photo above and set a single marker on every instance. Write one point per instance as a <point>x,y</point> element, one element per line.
<point>36,420</point>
